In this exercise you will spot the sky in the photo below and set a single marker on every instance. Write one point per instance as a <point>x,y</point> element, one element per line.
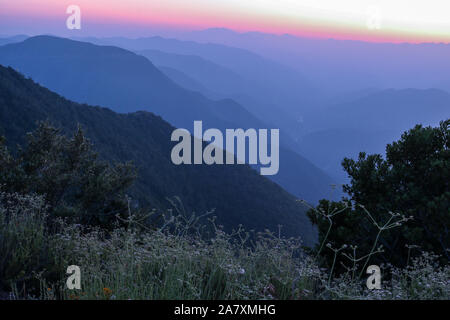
<point>368,20</point>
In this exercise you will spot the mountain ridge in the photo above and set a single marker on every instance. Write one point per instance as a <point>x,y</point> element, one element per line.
<point>126,82</point>
<point>144,138</point>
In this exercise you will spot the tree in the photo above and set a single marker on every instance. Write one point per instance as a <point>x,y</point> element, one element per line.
<point>68,173</point>
<point>413,180</point>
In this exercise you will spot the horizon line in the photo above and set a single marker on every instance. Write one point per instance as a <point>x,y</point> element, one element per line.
<point>225,29</point>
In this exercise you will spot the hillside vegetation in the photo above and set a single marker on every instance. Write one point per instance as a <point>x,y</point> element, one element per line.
<point>62,205</point>
<point>143,138</point>
<point>126,82</point>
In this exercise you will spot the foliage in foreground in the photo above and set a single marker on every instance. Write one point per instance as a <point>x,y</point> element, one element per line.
<point>239,194</point>
<point>172,262</point>
<point>68,174</point>
<point>409,187</point>
<point>64,207</point>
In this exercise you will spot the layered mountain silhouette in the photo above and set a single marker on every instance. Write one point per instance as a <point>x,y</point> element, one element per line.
<point>238,193</point>
<point>370,122</point>
<point>13,39</point>
<point>280,83</point>
<point>187,82</point>
<point>218,82</point>
<point>126,82</point>
<point>211,75</point>
<point>390,109</point>
<point>335,67</point>
<point>344,65</point>
<point>273,86</point>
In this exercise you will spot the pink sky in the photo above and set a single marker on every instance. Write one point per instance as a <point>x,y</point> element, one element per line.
<point>410,21</point>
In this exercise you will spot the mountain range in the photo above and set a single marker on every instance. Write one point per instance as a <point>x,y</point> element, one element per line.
<point>266,87</point>
<point>353,113</point>
<point>337,66</point>
<point>144,138</point>
<point>126,82</point>
<point>368,123</point>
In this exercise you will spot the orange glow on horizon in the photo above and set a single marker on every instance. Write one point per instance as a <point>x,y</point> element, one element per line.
<point>234,15</point>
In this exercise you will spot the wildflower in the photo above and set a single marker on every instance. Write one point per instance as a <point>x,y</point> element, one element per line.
<point>107,292</point>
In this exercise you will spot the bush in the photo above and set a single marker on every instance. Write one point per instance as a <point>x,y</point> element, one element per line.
<point>23,242</point>
<point>122,257</point>
<point>162,264</point>
<point>67,173</point>
<point>168,263</point>
<point>413,180</point>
